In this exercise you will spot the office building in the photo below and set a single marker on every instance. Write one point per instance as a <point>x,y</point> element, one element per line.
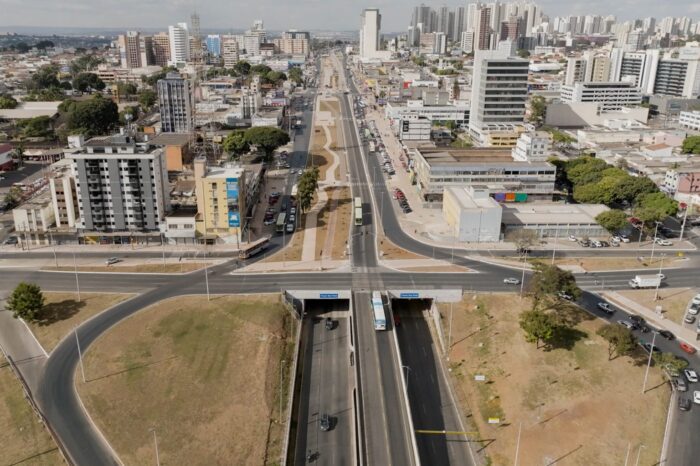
<point>161,49</point>
<point>253,37</point>
<point>610,96</point>
<point>415,128</point>
<point>533,146</point>
<point>213,42</point>
<point>121,185</point>
<point>473,214</point>
<point>293,43</point>
<point>130,50</point>
<point>175,100</point>
<point>690,120</point>
<point>499,96</point>
<point>179,44</point>
<point>230,51</point>
<point>369,33</point>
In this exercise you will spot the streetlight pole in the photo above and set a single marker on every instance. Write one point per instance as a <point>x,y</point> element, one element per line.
<point>685,217</point>
<point>162,246</point>
<point>77,282</point>
<point>522,280</point>
<point>55,258</point>
<point>646,373</point>
<point>80,354</point>
<point>155,443</point>
<point>556,241</point>
<point>449,334</point>
<point>206,272</point>
<point>653,244</point>
<point>658,284</point>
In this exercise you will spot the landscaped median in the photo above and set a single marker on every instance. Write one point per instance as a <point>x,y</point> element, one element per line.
<point>573,404</point>
<point>204,374</point>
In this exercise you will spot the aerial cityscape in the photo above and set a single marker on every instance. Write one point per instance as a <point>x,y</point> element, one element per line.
<point>327,233</point>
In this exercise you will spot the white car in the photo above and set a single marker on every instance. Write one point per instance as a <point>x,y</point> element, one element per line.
<point>572,238</point>
<point>663,242</point>
<point>696,299</point>
<point>696,397</point>
<point>625,239</point>
<point>511,281</point>
<point>111,260</point>
<point>691,375</point>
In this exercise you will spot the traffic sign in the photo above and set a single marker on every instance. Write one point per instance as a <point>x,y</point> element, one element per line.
<point>411,295</point>
<point>328,295</point>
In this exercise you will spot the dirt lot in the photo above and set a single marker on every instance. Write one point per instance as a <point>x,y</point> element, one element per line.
<point>23,438</point>
<point>181,267</point>
<point>205,374</point>
<point>388,250</point>
<point>63,312</point>
<point>617,263</point>
<point>337,215</point>
<point>293,250</point>
<point>555,394</point>
<point>673,301</point>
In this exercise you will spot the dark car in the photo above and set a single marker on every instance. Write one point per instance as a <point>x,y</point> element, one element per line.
<point>684,403</point>
<point>325,422</point>
<point>648,347</point>
<point>329,323</point>
<point>397,320</point>
<point>666,334</point>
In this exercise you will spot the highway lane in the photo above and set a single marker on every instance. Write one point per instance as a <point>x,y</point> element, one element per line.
<point>432,405</point>
<point>326,387</point>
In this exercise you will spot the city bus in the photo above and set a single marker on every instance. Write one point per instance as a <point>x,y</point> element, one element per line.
<point>254,248</point>
<point>281,222</point>
<point>358,211</point>
<point>378,311</point>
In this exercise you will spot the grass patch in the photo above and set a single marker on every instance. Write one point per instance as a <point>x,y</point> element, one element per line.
<point>63,312</point>
<point>673,301</point>
<point>205,374</point>
<point>23,438</point>
<point>140,268</point>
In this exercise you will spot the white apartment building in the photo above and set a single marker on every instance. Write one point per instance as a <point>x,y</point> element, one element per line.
<point>499,94</point>
<point>690,120</point>
<point>121,185</point>
<point>610,95</point>
<point>62,187</point>
<point>533,146</point>
<point>175,100</point>
<point>179,44</point>
<point>415,128</point>
<point>229,51</point>
<point>369,33</point>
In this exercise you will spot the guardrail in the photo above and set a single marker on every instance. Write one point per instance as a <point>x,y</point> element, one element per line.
<point>293,386</point>
<point>359,436</point>
<point>30,398</point>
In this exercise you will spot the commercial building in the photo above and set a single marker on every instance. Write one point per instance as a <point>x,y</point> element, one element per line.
<point>213,43</point>
<point>553,220</point>
<point>293,42</point>
<point>371,22</point>
<point>230,51</point>
<point>499,96</point>
<point>434,170</point>
<point>175,100</point>
<point>130,50</point>
<point>415,128</point>
<point>179,44</point>
<point>611,96</point>
<point>416,109</point>
<point>473,215</point>
<point>161,49</point>
<point>121,185</point>
<point>63,194</point>
<point>690,120</point>
<point>532,146</point>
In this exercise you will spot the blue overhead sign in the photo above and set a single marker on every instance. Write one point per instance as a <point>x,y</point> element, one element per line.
<point>411,295</point>
<point>328,295</point>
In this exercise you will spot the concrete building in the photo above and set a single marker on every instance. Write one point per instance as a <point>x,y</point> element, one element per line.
<point>35,216</point>
<point>175,100</point>
<point>63,194</point>
<point>533,146</point>
<point>415,128</point>
<point>161,49</point>
<point>473,215</point>
<point>499,95</point>
<point>130,50</point>
<point>434,170</point>
<point>121,185</point>
<point>181,226</point>
<point>230,51</point>
<point>554,220</point>
<point>213,43</point>
<point>179,44</point>
<point>415,109</point>
<point>690,120</point>
<point>371,24</point>
<point>611,96</point>
<point>6,161</point>
<point>293,42</point>
<point>582,114</point>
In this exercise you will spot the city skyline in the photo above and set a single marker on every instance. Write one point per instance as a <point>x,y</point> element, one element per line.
<point>305,14</point>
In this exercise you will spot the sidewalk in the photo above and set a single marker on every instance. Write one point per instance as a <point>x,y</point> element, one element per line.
<point>19,343</point>
<point>295,266</point>
<point>654,318</point>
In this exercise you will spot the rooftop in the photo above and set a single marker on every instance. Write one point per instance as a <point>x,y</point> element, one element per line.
<point>551,213</point>
<point>473,156</point>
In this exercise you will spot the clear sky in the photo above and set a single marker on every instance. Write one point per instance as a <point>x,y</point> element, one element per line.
<point>284,14</point>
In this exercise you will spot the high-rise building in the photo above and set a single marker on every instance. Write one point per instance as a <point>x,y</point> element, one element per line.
<point>483,29</point>
<point>175,99</point>
<point>179,44</point>
<point>148,57</point>
<point>611,96</point>
<point>369,33</point>
<point>213,42</point>
<point>121,185</point>
<point>195,39</point>
<point>253,38</point>
<point>230,51</point>
<point>161,49</point>
<point>130,49</point>
<point>467,42</point>
<point>293,42</point>
<point>499,95</point>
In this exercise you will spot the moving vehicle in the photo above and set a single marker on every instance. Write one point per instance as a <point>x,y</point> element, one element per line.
<point>687,348</point>
<point>663,242</point>
<point>606,307</point>
<point>358,211</point>
<point>325,422</point>
<point>378,311</point>
<point>667,334</point>
<point>628,324</point>
<point>290,228</point>
<point>681,384</point>
<point>329,323</point>
<point>684,403</point>
<point>111,260</point>
<point>281,221</point>
<point>696,397</point>
<point>254,248</point>
<point>511,281</point>
<point>645,281</point>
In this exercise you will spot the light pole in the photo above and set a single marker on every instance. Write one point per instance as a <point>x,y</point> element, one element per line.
<point>162,246</point>
<point>522,279</point>
<point>206,272</point>
<point>653,244</point>
<point>556,242</point>
<point>685,217</point>
<point>55,258</point>
<point>155,443</point>
<point>80,354</point>
<point>449,333</point>
<point>658,283</point>
<point>646,373</point>
<point>77,282</point>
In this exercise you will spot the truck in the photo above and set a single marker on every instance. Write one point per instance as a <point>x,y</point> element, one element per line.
<point>372,147</point>
<point>645,281</point>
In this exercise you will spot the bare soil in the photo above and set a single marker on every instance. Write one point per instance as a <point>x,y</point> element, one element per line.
<point>673,301</point>
<point>182,267</point>
<point>554,394</point>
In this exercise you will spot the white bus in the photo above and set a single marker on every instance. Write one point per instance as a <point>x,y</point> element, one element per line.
<point>378,310</point>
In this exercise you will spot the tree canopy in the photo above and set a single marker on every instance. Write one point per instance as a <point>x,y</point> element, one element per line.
<point>45,77</point>
<point>538,326</point>
<point>691,145</point>
<point>147,98</point>
<point>306,188</point>
<point>94,116</point>
<point>620,340</point>
<point>296,75</point>
<point>549,280</point>
<point>612,220</point>
<point>26,302</point>
<point>654,207</point>
<point>7,101</point>
<point>36,127</point>
<point>538,108</point>
<point>266,139</point>
<point>236,144</point>
<point>85,63</point>
<point>88,81</point>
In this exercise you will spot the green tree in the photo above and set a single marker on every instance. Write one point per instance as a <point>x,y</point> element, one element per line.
<point>691,145</point>
<point>94,116</point>
<point>262,70</point>
<point>275,77</point>
<point>129,114</point>
<point>654,207</point>
<point>126,89</point>
<point>147,98</point>
<point>44,78</point>
<point>88,81</point>
<point>620,340</point>
<point>26,302</point>
<point>21,47</point>
<point>36,127</point>
<point>306,188</point>
<point>630,188</point>
<point>13,197</point>
<point>44,44</point>
<point>242,68</point>
<point>296,75</point>
<point>538,326</point>
<point>155,77</point>
<point>538,109</point>
<point>672,364</point>
<point>235,144</point>
<point>612,220</point>
<point>266,139</point>
<point>85,63</point>
<point>549,280</point>
<point>523,53</point>
<point>7,101</point>
<point>584,170</point>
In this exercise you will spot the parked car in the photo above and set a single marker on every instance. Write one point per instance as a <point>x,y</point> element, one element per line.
<point>663,242</point>
<point>689,319</point>
<point>680,384</point>
<point>511,281</point>
<point>667,334</point>
<point>624,238</point>
<point>325,422</point>
<point>112,260</point>
<point>290,228</point>
<point>690,375</point>
<point>629,324</point>
<point>573,238</point>
<point>606,307</point>
<point>11,240</point>
<point>684,404</point>
<point>648,347</point>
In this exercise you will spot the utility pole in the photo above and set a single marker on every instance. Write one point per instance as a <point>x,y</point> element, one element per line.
<point>449,333</point>
<point>646,373</point>
<point>685,217</point>
<point>281,383</point>
<point>653,244</point>
<point>162,246</point>
<point>80,354</point>
<point>658,284</point>
<point>77,282</point>
<point>55,258</point>
<point>206,272</point>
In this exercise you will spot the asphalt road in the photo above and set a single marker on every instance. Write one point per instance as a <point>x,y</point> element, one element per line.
<point>326,387</point>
